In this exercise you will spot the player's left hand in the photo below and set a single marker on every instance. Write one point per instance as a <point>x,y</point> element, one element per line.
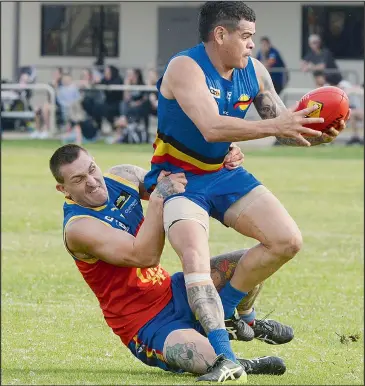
<point>234,158</point>
<point>332,133</point>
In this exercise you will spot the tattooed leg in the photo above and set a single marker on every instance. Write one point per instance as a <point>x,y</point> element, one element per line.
<point>190,241</point>
<point>222,270</point>
<point>206,304</point>
<point>246,305</point>
<point>189,351</point>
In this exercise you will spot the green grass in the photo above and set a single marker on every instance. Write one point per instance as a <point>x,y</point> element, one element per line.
<point>52,328</point>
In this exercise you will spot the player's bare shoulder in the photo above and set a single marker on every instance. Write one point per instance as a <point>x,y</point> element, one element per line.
<point>181,70</point>
<point>131,173</point>
<point>262,74</point>
<point>79,235</point>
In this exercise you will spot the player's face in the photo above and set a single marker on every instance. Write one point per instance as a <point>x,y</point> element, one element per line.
<point>238,45</point>
<point>84,182</point>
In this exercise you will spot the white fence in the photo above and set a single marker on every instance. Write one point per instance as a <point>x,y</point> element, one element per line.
<point>30,114</point>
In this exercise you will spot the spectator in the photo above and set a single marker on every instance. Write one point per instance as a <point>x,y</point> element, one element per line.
<point>91,97</point>
<point>319,78</point>
<point>135,104</point>
<point>42,113</point>
<point>320,59</point>
<point>270,57</point>
<point>83,128</point>
<point>134,99</point>
<point>67,94</point>
<point>357,110</point>
<point>152,79</point>
<point>109,108</point>
<point>30,71</point>
<point>16,101</point>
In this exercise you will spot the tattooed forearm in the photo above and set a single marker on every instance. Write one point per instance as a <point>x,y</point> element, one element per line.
<point>314,141</point>
<point>186,357</point>
<point>206,304</point>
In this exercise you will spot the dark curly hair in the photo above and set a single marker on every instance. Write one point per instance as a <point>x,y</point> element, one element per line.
<point>225,13</point>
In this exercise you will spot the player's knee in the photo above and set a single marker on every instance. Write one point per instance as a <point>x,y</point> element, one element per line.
<point>288,245</point>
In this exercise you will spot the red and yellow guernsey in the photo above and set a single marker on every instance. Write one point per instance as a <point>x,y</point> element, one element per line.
<point>128,297</point>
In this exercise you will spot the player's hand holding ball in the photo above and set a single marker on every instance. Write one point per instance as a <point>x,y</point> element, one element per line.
<point>291,124</point>
<point>329,103</point>
<point>333,106</point>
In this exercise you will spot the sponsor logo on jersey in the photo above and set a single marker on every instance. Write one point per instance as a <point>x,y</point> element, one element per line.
<point>151,275</point>
<point>122,199</point>
<point>216,92</point>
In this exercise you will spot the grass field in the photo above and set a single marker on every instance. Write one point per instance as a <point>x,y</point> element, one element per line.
<point>53,331</point>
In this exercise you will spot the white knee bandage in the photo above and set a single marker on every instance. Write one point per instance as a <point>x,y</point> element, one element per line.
<point>181,208</point>
<point>197,278</point>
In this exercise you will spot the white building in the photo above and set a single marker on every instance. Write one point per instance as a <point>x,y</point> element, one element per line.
<point>150,31</point>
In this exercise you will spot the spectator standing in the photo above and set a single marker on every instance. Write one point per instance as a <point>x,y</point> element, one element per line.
<point>271,58</point>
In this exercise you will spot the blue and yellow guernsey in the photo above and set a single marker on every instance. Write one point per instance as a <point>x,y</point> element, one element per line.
<point>179,145</point>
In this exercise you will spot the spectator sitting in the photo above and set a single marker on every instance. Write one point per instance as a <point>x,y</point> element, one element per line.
<point>152,79</point>
<point>135,105</point>
<point>320,59</point>
<point>109,108</point>
<point>90,97</point>
<point>270,57</point>
<point>24,95</point>
<point>83,128</point>
<point>42,113</point>
<point>16,100</point>
<point>319,78</point>
<point>67,94</point>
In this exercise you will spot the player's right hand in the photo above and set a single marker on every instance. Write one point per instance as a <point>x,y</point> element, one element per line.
<point>290,124</point>
<point>169,185</point>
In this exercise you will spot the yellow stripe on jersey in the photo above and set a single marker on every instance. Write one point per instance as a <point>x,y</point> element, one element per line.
<point>122,181</point>
<point>91,260</point>
<point>163,148</point>
<point>71,202</point>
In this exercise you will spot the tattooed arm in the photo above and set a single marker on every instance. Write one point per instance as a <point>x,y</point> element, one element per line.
<point>133,174</point>
<point>269,105</point>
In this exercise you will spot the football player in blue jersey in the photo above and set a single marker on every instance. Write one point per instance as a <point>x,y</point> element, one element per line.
<point>204,94</point>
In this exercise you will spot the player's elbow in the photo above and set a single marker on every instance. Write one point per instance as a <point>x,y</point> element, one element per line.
<point>210,134</point>
<point>209,137</point>
<point>151,261</point>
